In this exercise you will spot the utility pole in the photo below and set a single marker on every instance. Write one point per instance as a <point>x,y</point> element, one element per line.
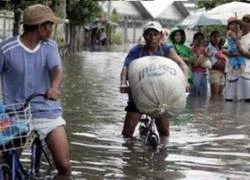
<point>109,10</point>
<point>108,32</point>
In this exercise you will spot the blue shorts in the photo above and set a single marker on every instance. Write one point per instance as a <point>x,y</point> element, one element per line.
<point>236,62</point>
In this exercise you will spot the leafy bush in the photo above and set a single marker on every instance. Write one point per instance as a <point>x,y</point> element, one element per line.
<point>115,17</point>
<point>116,38</point>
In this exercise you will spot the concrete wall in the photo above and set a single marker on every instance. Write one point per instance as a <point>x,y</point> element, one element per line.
<point>6,25</point>
<point>130,32</point>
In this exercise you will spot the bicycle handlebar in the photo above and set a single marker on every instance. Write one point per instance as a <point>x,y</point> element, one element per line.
<point>32,96</point>
<point>27,102</point>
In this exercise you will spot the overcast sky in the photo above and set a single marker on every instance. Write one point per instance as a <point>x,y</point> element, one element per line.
<point>157,6</point>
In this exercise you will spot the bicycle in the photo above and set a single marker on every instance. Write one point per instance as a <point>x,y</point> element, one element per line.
<point>18,133</point>
<point>148,132</point>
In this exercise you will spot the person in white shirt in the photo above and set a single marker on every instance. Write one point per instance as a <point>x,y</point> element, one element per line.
<point>238,88</point>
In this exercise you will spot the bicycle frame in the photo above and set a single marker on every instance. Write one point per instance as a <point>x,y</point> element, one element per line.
<point>36,153</point>
<point>12,167</point>
<point>17,170</point>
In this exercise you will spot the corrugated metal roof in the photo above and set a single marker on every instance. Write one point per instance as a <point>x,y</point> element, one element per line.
<point>180,6</point>
<point>142,9</point>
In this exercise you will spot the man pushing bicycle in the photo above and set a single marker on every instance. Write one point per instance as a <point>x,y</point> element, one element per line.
<point>30,63</point>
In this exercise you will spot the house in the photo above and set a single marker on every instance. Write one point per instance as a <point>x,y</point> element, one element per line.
<point>190,5</point>
<point>172,14</point>
<point>133,16</point>
<point>135,13</point>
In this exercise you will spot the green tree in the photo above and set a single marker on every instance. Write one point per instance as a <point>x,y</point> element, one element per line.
<point>80,12</point>
<point>115,17</point>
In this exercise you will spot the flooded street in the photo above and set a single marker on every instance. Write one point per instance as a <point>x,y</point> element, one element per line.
<point>209,141</point>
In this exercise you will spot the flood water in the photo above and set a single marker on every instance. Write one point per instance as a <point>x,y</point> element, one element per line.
<point>209,141</point>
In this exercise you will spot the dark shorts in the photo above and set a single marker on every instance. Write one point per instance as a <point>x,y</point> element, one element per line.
<point>131,105</point>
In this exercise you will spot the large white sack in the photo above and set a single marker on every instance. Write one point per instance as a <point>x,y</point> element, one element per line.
<point>158,86</point>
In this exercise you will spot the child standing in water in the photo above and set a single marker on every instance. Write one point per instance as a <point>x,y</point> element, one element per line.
<point>235,61</point>
<point>199,72</point>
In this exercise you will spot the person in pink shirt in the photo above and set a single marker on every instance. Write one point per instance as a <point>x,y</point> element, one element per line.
<point>199,71</point>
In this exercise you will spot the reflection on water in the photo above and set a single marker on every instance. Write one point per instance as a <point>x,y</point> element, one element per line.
<point>209,141</point>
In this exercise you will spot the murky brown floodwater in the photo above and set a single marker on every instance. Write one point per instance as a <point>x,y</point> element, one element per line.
<point>210,141</point>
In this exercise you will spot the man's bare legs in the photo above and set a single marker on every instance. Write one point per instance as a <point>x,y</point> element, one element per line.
<point>162,125</point>
<point>58,145</point>
<point>131,120</point>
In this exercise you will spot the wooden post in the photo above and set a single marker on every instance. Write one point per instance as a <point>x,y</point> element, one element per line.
<point>125,30</point>
<point>134,31</point>
<point>4,26</point>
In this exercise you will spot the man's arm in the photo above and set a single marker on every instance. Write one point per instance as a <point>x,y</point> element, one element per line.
<point>56,79</point>
<point>124,76</point>
<point>124,87</point>
<point>124,84</point>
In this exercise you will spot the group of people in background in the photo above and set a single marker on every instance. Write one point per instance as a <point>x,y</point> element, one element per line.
<point>226,67</point>
<point>221,60</point>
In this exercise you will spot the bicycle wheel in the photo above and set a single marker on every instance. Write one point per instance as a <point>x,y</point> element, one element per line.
<point>152,140</point>
<point>5,171</point>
